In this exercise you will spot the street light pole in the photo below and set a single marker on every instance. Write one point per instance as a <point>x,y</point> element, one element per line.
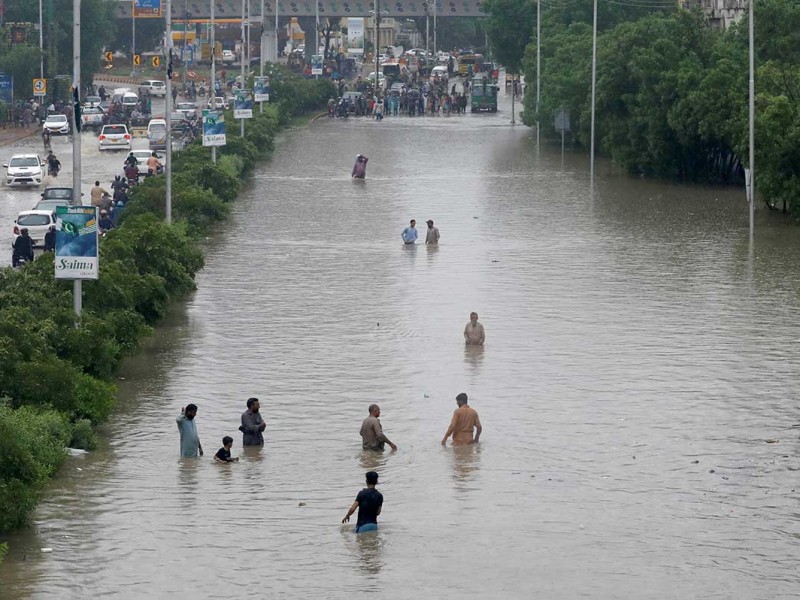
<point>277,37</point>
<point>263,49</point>
<point>168,115</point>
<point>538,64</point>
<point>77,289</point>
<point>213,86</point>
<point>133,36</point>
<point>594,83</point>
<point>752,121</point>
<point>241,60</point>
<point>377,43</point>
<point>427,34</point>
<point>41,42</point>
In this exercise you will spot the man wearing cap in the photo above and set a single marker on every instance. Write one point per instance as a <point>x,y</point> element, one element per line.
<point>432,237</point>
<point>369,503</point>
<point>372,436</point>
<point>409,234</point>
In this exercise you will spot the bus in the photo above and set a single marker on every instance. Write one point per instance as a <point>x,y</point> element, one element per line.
<point>483,95</point>
<point>469,63</point>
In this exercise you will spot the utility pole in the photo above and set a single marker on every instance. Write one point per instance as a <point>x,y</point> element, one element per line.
<point>263,49</point>
<point>752,122</point>
<point>133,36</point>
<point>434,31</point>
<point>241,60</point>
<point>77,289</point>
<point>277,37</point>
<point>427,34</point>
<point>168,110</point>
<point>377,43</point>
<point>213,92</point>
<point>594,83</point>
<point>41,42</point>
<point>539,65</point>
<point>185,35</point>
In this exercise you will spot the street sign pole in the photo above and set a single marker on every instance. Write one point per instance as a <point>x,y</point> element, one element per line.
<point>213,93</point>
<point>77,291</point>
<point>41,42</point>
<point>262,52</point>
<point>133,37</point>
<point>594,84</point>
<point>241,60</point>
<point>168,111</point>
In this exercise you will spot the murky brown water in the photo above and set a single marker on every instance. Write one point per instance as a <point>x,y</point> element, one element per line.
<point>638,356</point>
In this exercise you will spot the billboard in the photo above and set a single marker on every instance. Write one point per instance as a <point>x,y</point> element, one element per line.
<point>6,88</point>
<point>261,89</point>
<point>144,9</point>
<point>316,64</point>
<point>213,128</point>
<point>242,104</point>
<point>76,242</point>
<point>355,35</point>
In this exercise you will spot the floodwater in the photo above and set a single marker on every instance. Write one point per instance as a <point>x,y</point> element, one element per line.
<point>637,390</point>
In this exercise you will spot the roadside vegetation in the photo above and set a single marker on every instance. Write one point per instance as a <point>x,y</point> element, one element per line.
<point>56,380</point>
<point>672,91</point>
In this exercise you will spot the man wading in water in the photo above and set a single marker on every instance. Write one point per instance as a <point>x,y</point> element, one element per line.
<point>369,503</point>
<point>253,425</point>
<point>190,441</point>
<point>465,419</point>
<point>372,436</point>
<point>474,335</point>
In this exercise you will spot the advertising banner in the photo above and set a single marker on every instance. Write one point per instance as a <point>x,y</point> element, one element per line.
<point>261,89</point>
<point>316,64</point>
<point>213,128</point>
<point>355,35</point>
<point>146,9</point>
<point>6,88</point>
<point>243,104</point>
<point>76,242</point>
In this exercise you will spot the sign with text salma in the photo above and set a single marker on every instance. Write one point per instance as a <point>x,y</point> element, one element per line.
<point>144,9</point>
<point>213,128</point>
<point>76,242</point>
<point>261,89</point>
<point>242,104</point>
<point>355,35</point>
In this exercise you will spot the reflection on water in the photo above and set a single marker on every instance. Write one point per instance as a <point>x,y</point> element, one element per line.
<point>639,356</point>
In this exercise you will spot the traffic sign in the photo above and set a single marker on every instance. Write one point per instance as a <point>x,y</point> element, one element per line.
<point>40,87</point>
<point>156,61</point>
<point>137,59</point>
<point>109,56</point>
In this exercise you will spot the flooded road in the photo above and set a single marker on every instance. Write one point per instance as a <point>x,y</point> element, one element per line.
<point>637,390</point>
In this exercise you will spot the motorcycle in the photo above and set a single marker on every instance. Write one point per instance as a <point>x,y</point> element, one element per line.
<point>53,171</point>
<point>18,261</point>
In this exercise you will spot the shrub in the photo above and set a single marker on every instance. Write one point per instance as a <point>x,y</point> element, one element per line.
<point>83,435</point>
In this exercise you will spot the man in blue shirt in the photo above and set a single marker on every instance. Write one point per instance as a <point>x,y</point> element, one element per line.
<point>190,441</point>
<point>409,234</point>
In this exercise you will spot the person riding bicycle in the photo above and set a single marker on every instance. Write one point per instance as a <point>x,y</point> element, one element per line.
<point>53,164</point>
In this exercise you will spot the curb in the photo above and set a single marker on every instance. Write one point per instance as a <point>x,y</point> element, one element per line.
<point>115,79</point>
<point>14,139</point>
<point>322,114</point>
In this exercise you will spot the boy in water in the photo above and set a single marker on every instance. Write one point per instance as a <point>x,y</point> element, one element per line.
<point>223,455</point>
<point>369,503</point>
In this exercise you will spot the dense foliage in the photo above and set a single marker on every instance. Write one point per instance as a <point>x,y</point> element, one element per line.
<point>56,379</point>
<point>672,92</point>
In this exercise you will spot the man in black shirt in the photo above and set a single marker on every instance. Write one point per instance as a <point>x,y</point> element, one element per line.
<point>22,248</point>
<point>369,503</point>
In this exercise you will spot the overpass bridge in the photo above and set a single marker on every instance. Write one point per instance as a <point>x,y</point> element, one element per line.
<point>398,9</point>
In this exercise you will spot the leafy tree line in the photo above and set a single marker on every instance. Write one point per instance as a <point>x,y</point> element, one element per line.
<point>672,92</point>
<point>55,379</point>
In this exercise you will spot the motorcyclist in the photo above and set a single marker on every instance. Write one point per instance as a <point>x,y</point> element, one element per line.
<point>50,239</point>
<point>131,160</point>
<point>105,223</point>
<point>331,105</point>
<point>131,173</point>
<point>153,164</point>
<point>22,248</point>
<point>46,138</point>
<point>53,164</point>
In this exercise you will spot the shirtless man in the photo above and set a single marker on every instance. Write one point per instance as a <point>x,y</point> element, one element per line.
<point>465,419</point>
<point>474,335</point>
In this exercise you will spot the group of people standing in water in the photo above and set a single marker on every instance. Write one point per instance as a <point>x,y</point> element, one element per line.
<point>465,429</point>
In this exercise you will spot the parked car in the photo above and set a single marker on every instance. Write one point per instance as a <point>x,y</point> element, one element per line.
<point>37,223</point>
<point>56,124</point>
<point>92,117</point>
<point>228,56</point>
<point>63,194</point>
<point>154,87</point>
<point>157,134</point>
<point>189,109</point>
<point>114,137</point>
<point>24,169</point>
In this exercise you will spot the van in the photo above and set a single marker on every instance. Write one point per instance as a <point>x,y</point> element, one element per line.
<point>130,100</point>
<point>157,134</point>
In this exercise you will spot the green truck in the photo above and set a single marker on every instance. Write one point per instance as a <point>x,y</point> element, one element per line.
<point>483,94</point>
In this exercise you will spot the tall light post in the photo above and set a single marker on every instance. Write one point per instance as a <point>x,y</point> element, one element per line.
<point>41,42</point>
<point>133,36</point>
<point>427,33</point>
<point>434,30</point>
<point>752,121</point>
<point>168,110</point>
<point>213,86</point>
<point>538,63</point>
<point>594,83</point>
<point>77,289</point>
<point>241,60</point>
<point>377,43</point>
<point>263,49</point>
<point>277,37</point>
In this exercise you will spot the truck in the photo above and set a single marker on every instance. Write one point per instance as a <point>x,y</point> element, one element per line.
<point>483,94</point>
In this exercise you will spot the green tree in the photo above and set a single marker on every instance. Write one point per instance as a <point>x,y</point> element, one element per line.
<point>509,25</point>
<point>22,62</point>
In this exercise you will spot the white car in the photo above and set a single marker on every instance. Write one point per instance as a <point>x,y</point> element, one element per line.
<point>216,103</point>
<point>114,137</point>
<point>228,56</point>
<point>91,101</point>
<point>37,222</point>
<point>189,109</point>
<point>56,124</point>
<point>92,116</point>
<point>142,156</point>
<point>157,134</point>
<point>439,71</point>
<point>155,87</point>
<point>24,169</point>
